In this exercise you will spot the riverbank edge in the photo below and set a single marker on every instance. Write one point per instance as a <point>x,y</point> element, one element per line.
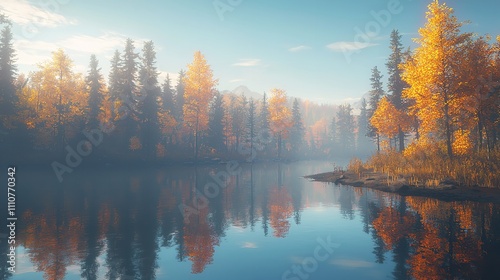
<point>446,190</point>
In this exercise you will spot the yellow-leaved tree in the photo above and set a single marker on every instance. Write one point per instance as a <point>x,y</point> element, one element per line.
<point>199,91</point>
<point>279,116</point>
<point>433,74</point>
<point>56,99</point>
<point>387,120</point>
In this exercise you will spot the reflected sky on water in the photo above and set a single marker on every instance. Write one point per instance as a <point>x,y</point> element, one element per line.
<point>267,222</point>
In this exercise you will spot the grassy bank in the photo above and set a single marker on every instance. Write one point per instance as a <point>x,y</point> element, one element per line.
<point>430,167</point>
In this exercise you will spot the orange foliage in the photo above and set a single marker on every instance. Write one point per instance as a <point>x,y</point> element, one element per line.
<point>279,113</point>
<point>391,226</point>
<point>200,241</point>
<point>199,91</point>
<point>281,209</point>
<point>387,120</point>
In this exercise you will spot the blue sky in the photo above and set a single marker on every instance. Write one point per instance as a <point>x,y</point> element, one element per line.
<point>319,50</point>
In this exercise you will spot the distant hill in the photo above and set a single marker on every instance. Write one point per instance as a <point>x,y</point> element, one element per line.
<point>245,91</point>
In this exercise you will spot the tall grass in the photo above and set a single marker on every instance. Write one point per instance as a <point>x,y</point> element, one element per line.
<point>428,167</point>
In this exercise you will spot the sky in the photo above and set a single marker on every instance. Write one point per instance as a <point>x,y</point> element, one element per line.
<point>321,50</point>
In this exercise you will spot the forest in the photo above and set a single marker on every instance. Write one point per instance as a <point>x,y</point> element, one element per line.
<point>441,100</point>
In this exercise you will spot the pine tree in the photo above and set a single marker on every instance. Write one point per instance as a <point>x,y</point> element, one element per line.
<point>129,92</point>
<point>363,125</point>
<point>345,124</point>
<point>95,85</point>
<point>8,98</point>
<point>115,78</point>
<point>251,124</point>
<point>167,95</point>
<point>395,83</point>
<point>238,110</point>
<point>216,124</point>
<point>376,93</point>
<point>297,129</point>
<point>179,96</point>
<point>264,127</point>
<point>149,106</point>
<point>333,134</point>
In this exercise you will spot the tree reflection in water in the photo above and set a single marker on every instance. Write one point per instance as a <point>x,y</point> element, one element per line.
<point>114,224</point>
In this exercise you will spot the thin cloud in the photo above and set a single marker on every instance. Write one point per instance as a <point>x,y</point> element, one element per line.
<point>298,48</point>
<point>248,62</point>
<point>30,52</point>
<point>24,13</point>
<point>236,80</point>
<point>94,44</point>
<point>351,263</point>
<point>349,46</point>
<point>249,245</point>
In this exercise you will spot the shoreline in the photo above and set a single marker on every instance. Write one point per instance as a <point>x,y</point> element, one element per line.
<point>446,190</point>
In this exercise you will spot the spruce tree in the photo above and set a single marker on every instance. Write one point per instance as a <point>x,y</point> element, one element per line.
<point>376,93</point>
<point>8,98</point>
<point>395,83</point>
<point>179,96</point>
<point>297,129</point>
<point>345,124</point>
<point>148,106</point>
<point>216,124</point>
<point>95,85</point>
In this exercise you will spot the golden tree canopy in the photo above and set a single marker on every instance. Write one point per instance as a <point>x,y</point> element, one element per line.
<point>279,113</point>
<point>199,91</point>
<point>433,71</point>
<point>387,120</point>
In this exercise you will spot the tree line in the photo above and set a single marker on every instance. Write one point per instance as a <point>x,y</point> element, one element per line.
<point>55,112</point>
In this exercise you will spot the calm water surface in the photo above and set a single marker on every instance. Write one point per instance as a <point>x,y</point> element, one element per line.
<point>264,223</point>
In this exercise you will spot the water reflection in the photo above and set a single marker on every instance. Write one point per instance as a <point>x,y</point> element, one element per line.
<point>124,225</point>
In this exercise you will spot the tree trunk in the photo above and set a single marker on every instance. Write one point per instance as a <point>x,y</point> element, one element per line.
<point>196,141</point>
<point>401,140</point>
<point>448,129</point>
<point>378,143</point>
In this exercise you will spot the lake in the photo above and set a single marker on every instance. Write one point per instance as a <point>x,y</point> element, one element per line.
<point>242,221</point>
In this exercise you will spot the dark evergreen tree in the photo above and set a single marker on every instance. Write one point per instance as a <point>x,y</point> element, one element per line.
<point>149,105</point>
<point>238,111</point>
<point>376,93</point>
<point>179,97</point>
<point>251,124</point>
<point>363,123</point>
<point>8,98</point>
<point>167,95</point>
<point>216,124</point>
<point>115,77</point>
<point>127,99</point>
<point>333,136</point>
<point>129,93</point>
<point>297,129</point>
<point>264,127</point>
<point>345,124</point>
<point>395,83</point>
<point>95,86</point>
